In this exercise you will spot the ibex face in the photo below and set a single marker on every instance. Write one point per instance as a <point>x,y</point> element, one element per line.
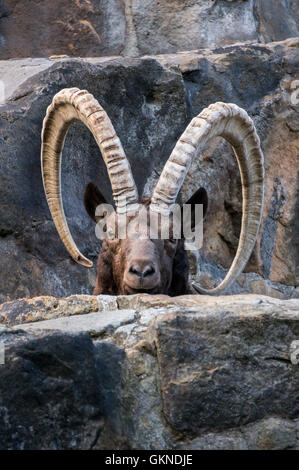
<point>139,263</point>
<point>136,266</point>
<point>144,264</point>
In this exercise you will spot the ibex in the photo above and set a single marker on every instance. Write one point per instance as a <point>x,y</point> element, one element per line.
<point>127,266</point>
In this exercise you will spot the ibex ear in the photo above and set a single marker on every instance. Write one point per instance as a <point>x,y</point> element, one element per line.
<point>199,197</point>
<point>93,198</point>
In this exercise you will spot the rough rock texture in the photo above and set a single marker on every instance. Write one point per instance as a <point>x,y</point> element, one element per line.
<point>81,28</point>
<point>50,396</point>
<point>150,372</point>
<point>267,93</point>
<point>135,27</point>
<point>150,101</point>
<point>171,26</point>
<point>30,249</point>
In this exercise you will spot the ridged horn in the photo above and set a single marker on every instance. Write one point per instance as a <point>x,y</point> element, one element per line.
<point>67,106</point>
<point>234,125</point>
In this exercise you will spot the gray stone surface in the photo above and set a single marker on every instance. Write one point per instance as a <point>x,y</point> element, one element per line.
<point>137,27</point>
<point>267,434</point>
<point>235,369</point>
<point>272,434</point>
<point>189,372</point>
<point>96,324</point>
<point>50,395</point>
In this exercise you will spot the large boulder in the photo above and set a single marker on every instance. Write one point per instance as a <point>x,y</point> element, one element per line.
<point>101,27</point>
<point>149,372</point>
<point>142,97</point>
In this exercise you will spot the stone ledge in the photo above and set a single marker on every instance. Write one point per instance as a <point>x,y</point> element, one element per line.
<point>46,308</point>
<point>96,324</point>
<point>197,372</point>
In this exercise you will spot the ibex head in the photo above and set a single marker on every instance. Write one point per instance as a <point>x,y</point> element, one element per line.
<point>141,263</point>
<point>135,255</point>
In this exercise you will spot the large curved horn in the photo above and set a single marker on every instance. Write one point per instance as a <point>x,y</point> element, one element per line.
<point>234,125</point>
<point>69,105</point>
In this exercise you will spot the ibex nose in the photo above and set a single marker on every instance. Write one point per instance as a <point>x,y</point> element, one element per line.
<point>142,274</point>
<point>142,271</point>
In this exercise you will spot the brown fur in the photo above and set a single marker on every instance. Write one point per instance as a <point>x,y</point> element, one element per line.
<point>141,265</point>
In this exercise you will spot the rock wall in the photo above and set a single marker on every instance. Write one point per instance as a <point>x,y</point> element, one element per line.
<point>149,372</point>
<point>136,27</point>
<point>150,101</point>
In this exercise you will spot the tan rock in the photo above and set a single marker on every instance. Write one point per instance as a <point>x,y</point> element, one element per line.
<point>45,308</point>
